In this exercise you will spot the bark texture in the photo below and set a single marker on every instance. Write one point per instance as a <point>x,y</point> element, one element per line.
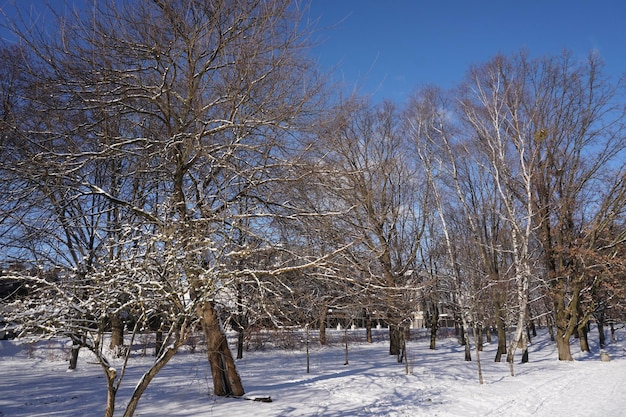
<point>226,380</point>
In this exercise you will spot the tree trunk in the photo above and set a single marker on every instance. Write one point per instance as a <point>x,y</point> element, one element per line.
<point>323,325</point>
<point>550,324</point>
<point>464,340</point>
<point>525,355</point>
<point>459,330</point>
<point>406,358</point>
<point>480,369</point>
<point>241,322</point>
<point>226,380</point>
<point>519,340</point>
<point>524,349</point>
<point>434,326</point>
<point>117,335</point>
<point>565,322</point>
<point>396,334</point>
<point>368,327</point>
<point>582,336</point>
<point>74,355</point>
<point>308,358</point>
<point>345,339</point>
<point>158,343</point>
<point>613,333</point>
<point>110,374</point>
<point>468,352</point>
<point>562,345</point>
<point>601,335</point>
<point>161,361</point>
<point>501,329</point>
<point>240,342</point>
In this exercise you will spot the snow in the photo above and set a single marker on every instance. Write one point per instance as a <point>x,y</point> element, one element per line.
<point>35,382</point>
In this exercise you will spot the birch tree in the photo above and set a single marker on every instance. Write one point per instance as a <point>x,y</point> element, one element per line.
<point>550,128</point>
<point>431,130</point>
<point>468,205</point>
<point>492,106</point>
<point>573,121</point>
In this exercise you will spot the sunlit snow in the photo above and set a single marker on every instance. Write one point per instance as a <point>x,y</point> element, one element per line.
<point>35,382</point>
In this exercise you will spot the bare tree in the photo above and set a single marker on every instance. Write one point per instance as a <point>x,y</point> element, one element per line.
<point>465,207</point>
<point>573,120</point>
<point>546,129</point>
<point>373,175</point>
<point>492,105</point>
<point>194,107</point>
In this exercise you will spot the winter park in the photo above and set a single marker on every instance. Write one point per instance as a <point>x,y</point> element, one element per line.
<point>292,208</point>
<point>439,382</point>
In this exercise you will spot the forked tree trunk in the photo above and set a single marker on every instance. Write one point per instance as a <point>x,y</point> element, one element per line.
<point>161,361</point>
<point>113,381</point>
<point>226,380</point>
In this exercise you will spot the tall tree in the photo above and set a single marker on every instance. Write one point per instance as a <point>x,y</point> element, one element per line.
<point>195,107</point>
<point>550,128</point>
<point>468,196</point>
<point>492,106</point>
<point>576,124</point>
<point>374,176</point>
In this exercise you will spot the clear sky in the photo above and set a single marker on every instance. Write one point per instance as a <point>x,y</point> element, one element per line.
<point>391,47</point>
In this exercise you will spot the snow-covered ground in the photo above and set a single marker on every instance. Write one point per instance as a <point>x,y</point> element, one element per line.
<point>34,382</point>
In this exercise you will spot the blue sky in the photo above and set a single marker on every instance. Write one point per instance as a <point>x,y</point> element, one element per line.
<point>388,48</point>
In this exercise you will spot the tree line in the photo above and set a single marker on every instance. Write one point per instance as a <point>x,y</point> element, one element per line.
<point>167,164</point>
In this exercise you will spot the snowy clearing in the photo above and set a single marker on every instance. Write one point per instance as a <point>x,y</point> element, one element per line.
<point>35,382</point>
